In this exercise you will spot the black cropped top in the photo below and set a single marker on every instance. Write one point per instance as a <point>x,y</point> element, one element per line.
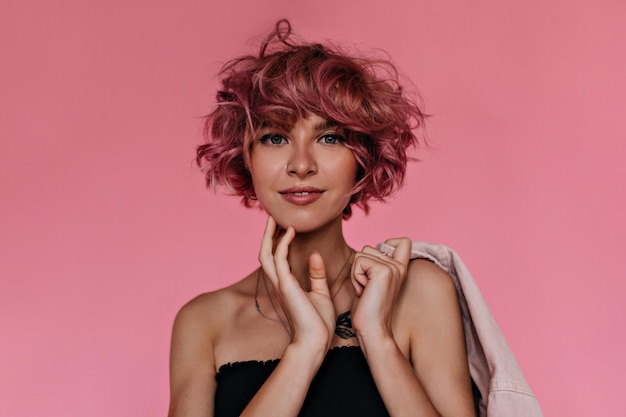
<point>342,387</point>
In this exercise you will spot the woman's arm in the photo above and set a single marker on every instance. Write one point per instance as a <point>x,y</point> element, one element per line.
<point>285,390</point>
<point>192,371</point>
<point>311,319</point>
<point>192,368</point>
<point>435,380</point>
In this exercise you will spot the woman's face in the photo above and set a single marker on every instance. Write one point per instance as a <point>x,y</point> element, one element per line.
<point>303,175</point>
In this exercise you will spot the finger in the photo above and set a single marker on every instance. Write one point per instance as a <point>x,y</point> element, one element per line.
<point>358,288</point>
<point>358,283</point>
<point>361,267</point>
<point>317,273</point>
<point>267,241</point>
<point>377,253</point>
<point>402,253</point>
<point>266,257</point>
<point>379,256</point>
<point>278,233</point>
<point>280,255</point>
<point>368,266</point>
<point>357,276</point>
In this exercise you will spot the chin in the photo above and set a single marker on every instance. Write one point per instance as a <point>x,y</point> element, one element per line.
<point>306,224</point>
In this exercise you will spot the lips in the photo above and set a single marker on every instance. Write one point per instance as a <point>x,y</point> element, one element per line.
<point>301,196</point>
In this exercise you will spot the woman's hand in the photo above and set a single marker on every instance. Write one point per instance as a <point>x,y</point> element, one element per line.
<point>377,279</point>
<point>310,315</point>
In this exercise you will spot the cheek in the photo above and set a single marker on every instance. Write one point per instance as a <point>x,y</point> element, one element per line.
<point>264,158</point>
<point>350,170</point>
<point>263,181</point>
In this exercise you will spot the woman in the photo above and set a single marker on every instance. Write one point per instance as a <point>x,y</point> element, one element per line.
<point>319,329</point>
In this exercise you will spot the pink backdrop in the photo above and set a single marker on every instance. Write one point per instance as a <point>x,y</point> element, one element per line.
<point>106,229</point>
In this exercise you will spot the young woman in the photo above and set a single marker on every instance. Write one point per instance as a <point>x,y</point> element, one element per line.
<point>319,329</point>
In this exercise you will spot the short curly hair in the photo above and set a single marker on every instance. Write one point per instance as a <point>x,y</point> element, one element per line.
<point>290,80</point>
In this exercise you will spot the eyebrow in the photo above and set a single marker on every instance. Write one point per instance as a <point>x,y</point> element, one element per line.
<point>266,124</point>
<point>326,124</point>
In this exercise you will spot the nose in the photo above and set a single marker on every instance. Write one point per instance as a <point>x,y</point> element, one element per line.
<point>302,161</point>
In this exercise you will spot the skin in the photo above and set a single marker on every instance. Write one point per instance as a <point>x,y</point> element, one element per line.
<point>405,313</point>
<point>310,154</point>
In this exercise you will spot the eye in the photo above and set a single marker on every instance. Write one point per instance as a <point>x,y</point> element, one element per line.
<point>273,139</point>
<point>332,139</point>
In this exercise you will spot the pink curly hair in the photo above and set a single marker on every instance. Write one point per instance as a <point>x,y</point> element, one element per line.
<point>288,81</point>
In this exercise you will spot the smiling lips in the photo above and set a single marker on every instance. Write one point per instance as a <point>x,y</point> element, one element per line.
<point>301,196</point>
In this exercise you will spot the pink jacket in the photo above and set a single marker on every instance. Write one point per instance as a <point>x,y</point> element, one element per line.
<point>494,369</point>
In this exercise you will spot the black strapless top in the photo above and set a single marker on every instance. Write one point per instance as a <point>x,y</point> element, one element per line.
<point>342,387</point>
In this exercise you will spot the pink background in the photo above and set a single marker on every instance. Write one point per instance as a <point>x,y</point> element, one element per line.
<point>106,229</point>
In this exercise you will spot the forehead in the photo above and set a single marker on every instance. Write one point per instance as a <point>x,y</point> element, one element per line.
<point>311,121</point>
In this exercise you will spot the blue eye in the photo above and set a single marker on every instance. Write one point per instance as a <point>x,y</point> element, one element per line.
<point>332,139</point>
<point>273,139</point>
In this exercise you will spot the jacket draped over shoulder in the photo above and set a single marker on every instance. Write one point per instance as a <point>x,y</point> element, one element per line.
<point>503,389</point>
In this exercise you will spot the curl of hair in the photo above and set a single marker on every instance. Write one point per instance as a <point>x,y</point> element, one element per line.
<point>290,80</point>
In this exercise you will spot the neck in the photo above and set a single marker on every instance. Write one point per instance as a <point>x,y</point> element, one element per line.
<point>328,242</point>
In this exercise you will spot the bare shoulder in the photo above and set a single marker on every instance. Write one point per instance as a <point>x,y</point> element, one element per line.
<point>427,302</point>
<point>427,285</point>
<point>430,318</point>
<point>205,313</point>
<point>195,311</point>
<point>192,364</point>
<point>200,321</point>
